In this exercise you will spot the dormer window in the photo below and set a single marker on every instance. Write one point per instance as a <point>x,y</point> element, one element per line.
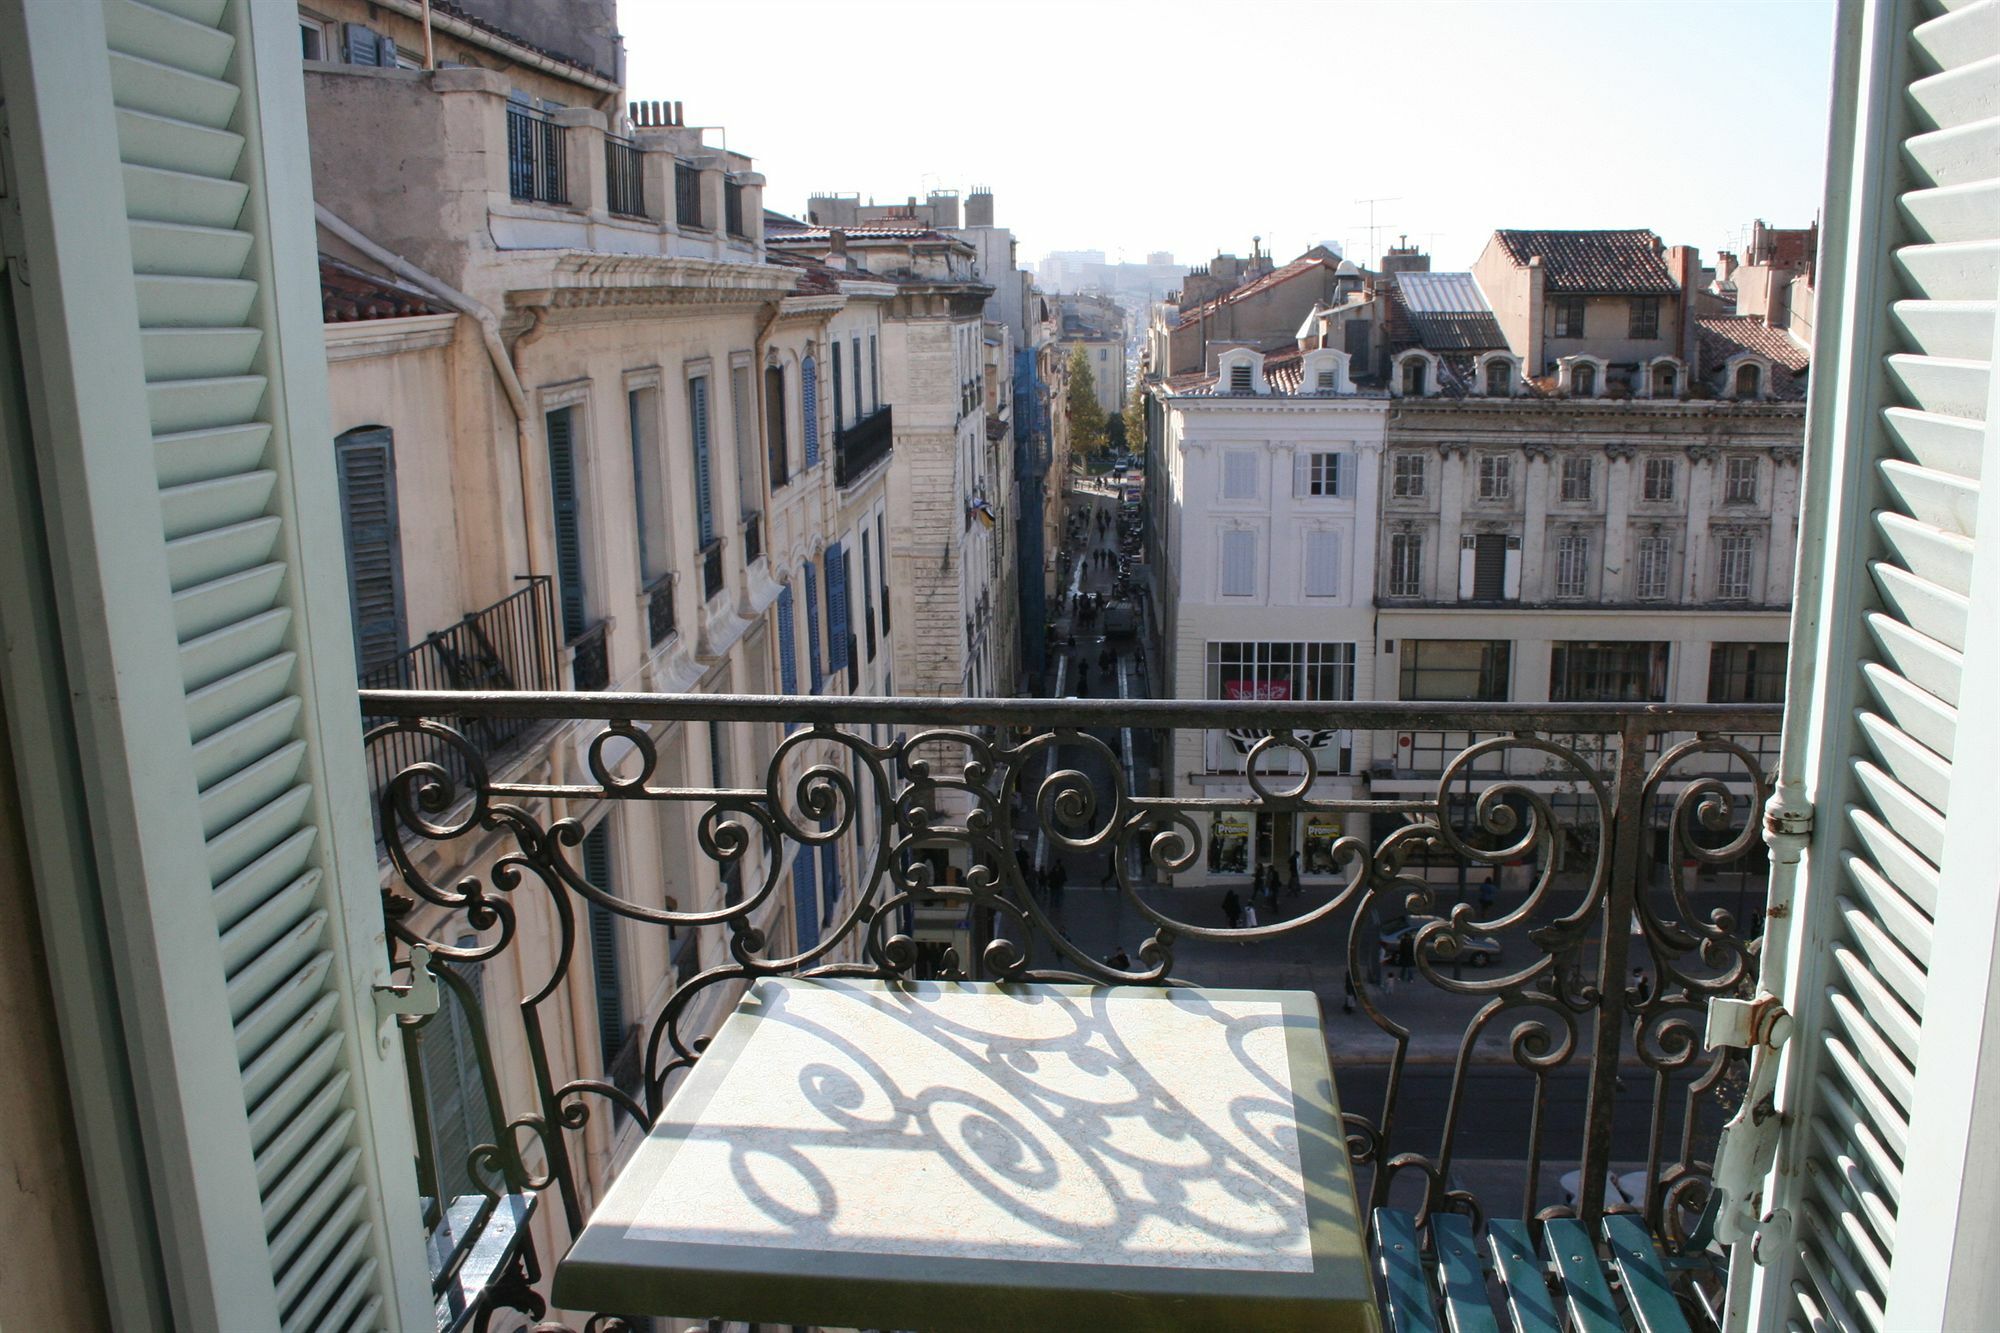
<point>1499,378</point>
<point>1664,381</point>
<point>1239,377</point>
<point>1324,384</point>
<point>1413,377</point>
<point>1583,380</point>
<point>1747,380</point>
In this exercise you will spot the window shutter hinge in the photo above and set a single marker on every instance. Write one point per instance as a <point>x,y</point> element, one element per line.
<point>1749,1142</point>
<point>415,998</point>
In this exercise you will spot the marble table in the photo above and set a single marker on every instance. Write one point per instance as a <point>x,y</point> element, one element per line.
<point>947,1156</point>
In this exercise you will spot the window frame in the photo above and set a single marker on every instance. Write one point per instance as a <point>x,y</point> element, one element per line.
<point>1572,581</point>
<point>1566,316</point>
<point>1406,564</point>
<point>1735,567</point>
<point>1668,472</point>
<point>1660,547</point>
<point>1577,468</point>
<point>1494,477</point>
<point>1643,318</point>
<point>1739,479</point>
<point>1400,487</point>
<point>1494,673</point>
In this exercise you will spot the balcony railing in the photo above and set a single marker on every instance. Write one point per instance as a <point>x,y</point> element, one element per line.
<point>687,196</point>
<point>711,569</point>
<point>508,646</point>
<point>624,177</point>
<point>753,539</point>
<point>1582,987</point>
<point>861,446</point>
<point>660,610</point>
<point>537,167</point>
<point>590,658</point>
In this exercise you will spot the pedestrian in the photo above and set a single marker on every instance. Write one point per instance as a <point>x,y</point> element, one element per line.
<point>1118,960</point>
<point>1058,881</point>
<point>1347,989</point>
<point>1406,955</point>
<point>1487,893</point>
<point>1232,908</point>
<point>1257,883</point>
<point>1105,659</point>
<point>1641,989</point>
<point>1298,889</point>
<point>1250,917</point>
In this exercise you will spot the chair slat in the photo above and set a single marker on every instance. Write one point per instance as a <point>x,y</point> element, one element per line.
<point>1643,1272</point>
<point>1586,1291</point>
<point>1400,1254</point>
<point>1461,1277</point>
<point>1523,1277</point>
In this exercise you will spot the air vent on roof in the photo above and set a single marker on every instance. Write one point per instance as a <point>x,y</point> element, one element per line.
<point>1239,378</point>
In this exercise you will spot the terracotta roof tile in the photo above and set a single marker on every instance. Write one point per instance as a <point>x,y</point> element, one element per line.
<point>1619,263</point>
<point>1304,264</point>
<point>347,294</point>
<point>1723,336</point>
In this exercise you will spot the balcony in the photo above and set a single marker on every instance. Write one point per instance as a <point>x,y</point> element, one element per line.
<point>859,447</point>
<point>659,597</point>
<point>590,658</point>
<point>624,178</point>
<point>1567,1008</point>
<point>537,161</point>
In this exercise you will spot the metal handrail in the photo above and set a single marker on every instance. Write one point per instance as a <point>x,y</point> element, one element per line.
<point>859,447</point>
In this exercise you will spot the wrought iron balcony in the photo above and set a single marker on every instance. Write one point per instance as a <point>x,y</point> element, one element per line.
<point>1580,987</point>
<point>537,156</point>
<point>624,177</point>
<point>660,610</point>
<point>859,447</point>
<point>590,657</point>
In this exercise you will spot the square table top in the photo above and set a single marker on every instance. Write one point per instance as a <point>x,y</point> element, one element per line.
<point>973,1156</point>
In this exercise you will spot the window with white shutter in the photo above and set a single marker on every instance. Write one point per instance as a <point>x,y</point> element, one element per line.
<point>1322,555</point>
<point>1321,475</point>
<point>1239,563</point>
<point>1239,475</point>
<point>1885,953</point>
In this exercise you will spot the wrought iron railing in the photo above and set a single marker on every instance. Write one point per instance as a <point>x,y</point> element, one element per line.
<point>537,152</point>
<point>509,645</point>
<point>687,196</point>
<point>753,538</point>
<point>861,446</point>
<point>660,610</point>
<point>590,657</point>
<point>624,177</point>
<point>1582,983</point>
<point>711,569</point>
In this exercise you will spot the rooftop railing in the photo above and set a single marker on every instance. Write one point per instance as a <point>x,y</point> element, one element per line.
<point>537,166</point>
<point>1579,988</point>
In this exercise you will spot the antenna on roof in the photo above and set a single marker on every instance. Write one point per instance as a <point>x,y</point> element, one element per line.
<point>1378,199</point>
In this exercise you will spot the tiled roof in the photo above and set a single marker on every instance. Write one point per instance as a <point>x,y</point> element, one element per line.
<point>1723,336</point>
<point>815,278</point>
<point>1618,263</point>
<point>1304,264</point>
<point>870,232</point>
<point>448,7</point>
<point>346,294</point>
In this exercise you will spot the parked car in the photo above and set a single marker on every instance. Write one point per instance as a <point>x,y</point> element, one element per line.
<point>1475,950</point>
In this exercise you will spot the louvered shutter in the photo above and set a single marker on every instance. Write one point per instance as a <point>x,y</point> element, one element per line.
<point>604,961</point>
<point>567,502</point>
<point>812,628</point>
<point>1879,1158</point>
<point>1239,563</point>
<point>1322,555</point>
<point>184,437</point>
<point>809,392</point>
<point>829,869</point>
<point>805,898</point>
<point>364,46</point>
<point>839,392</point>
<point>788,653</point>
<point>836,608</point>
<point>454,1093</point>
<point>367,465</point>
<point>698,426</point>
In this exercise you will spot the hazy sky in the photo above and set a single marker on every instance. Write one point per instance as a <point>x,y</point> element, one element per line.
<point>1132,126</point>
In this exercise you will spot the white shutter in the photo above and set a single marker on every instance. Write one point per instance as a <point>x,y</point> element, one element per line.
<point>1881,1166</point>
<point>1239,563</point>
<point>1301,475</point>
<point>1239,475</point>
<point>1510,579</point>
<point>1322,556</point>
<point>1468,569</point>
<point>163,156</point>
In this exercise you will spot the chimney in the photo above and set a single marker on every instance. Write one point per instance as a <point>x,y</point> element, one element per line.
<point>1684,262</point>
<point>979,207</point>
<point>1538,285</point>
<point>836,247</point>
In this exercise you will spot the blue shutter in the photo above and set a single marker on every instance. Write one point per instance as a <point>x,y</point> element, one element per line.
<point>367,465</point>
<point>604,947</point>
<point>568,507</point>
<point>829,865</point>
<point>698,423</point>
<point>836,608</point>
<point>788,653</point>
<point>812,627</point>
<point>839,397</point>
<point>859,409</point>
<point>805,899</point>
<point>809,376</point>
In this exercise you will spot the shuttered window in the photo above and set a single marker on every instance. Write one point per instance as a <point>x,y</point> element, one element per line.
<point>805,897</point>
<point>839,390</point>
<point>566,501</point>
<point>809,396</point>
<point>812,628</point>
<point>829,872</point>
<point>455,1101</point>
<point>1239,475</point>
<point>1489,566</point>
<point>704,471</point>
<point>1655,567</point>
<point>788,653</point>
<point>649,502</point>
<point>1239,563</point>
<point>606,964</point>
<point>1572,565</point>
<point>1406,564</point>
<point>1878,1080</point>
<point>874,375</point>
<point>868,593</point>
<point>367,462</point>
<point>1322,555</point>
<point>1320,475</point>
<point>836,607</point>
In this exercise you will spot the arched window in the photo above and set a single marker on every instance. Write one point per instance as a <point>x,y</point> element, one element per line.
<point>1663,381</point>
<point>1583,380</point>
<point>1413,377</point>
<point>1746,380</point>
<point>1499,374</point>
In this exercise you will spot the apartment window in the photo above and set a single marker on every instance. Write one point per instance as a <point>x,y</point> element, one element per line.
<point>606,963</point>
<point>859,410</point>
<point>1456,670</point>
<point>1406,564</point>
<point>1655,560</point>
<point>774,426</point>
<point>1661,475</point>
<point>1664,381</point>
<point>704,495</point>
<point>874,375</point>
<point>366,459</point>
<point>1496,477</point>
<point>1413,377</point>
<point>1407,479</point>
<point>868,591</point>
<point>1746,380</point>
<point>1644,319</point>
<point>1572,564</point>
<point>1499,378</point>
<point>732,208</point>
<point>1583,380</point>
<point>1490,558</point>
<point>1239,377</point>
<point>1239,563</point>
<point>882,553</point>
<point>453,1090</point>
<point>687,196</point>
<point>809,408</point>
<point>1576,478</point>
<point>642,409</point>
<point>1320,475</point>
<point>1322,555</point>
<point>1739,482</point>
<point>1311,672</point>
<point>1239,475</point>
<point>1568,319</point>
<point>1734,558</point>
<point>1746,673</point>
<point>566,503</point>
<point>316,38</point>
<point>1625,672</point>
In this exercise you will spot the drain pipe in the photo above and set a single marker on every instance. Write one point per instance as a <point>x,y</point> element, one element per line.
<point>489,333</point>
